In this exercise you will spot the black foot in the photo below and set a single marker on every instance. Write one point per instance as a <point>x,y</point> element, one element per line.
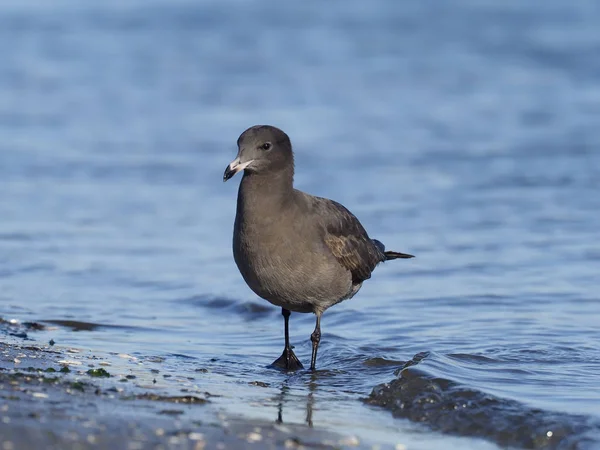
<point>288,360</point>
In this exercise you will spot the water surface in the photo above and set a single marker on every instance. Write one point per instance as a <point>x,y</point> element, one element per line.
<point>465,134</point>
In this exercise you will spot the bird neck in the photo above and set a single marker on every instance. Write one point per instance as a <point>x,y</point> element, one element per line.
<point>275,189</point>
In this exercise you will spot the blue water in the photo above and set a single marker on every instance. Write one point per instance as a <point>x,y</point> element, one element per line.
<point>463,132</point>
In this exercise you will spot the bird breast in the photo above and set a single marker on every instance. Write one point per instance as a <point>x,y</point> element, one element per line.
<point>277,264</point>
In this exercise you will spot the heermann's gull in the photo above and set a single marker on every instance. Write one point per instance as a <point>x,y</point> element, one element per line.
<point>297,251</point>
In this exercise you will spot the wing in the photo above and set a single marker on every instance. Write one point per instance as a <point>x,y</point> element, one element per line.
<point>347,240</point>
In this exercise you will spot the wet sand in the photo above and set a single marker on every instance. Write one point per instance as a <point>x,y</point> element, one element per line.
<point>59,398</point>
<point>56,396</point>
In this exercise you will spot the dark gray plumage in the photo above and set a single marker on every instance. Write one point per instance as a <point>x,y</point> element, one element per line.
<point>299,252</point>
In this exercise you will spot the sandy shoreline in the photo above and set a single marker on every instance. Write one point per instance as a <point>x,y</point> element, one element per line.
<point>57,398</point>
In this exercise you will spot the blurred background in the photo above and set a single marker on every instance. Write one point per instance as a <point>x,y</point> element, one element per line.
<point>463,132</point>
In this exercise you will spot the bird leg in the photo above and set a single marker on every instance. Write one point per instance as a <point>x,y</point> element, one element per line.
<point>315,337</point>
<point>288,359</point>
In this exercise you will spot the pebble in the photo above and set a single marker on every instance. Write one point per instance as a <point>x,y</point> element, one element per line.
<point>351,441</point>
<point>253,437</point>
<point>69,362</point>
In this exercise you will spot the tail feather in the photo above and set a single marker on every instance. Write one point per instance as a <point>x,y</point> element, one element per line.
<point>390,255</point>
<point>395,255</point>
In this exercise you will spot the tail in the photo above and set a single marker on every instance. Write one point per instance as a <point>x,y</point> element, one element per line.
<point>396,255</point>
<point>390,255</point>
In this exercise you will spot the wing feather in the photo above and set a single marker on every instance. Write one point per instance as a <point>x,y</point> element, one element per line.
<point>348,241</point>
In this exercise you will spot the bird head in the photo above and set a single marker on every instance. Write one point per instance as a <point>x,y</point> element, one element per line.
<point>262,149</point>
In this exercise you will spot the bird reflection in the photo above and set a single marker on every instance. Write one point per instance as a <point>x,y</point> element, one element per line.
<point>284,391</point>
<point>310,399</point>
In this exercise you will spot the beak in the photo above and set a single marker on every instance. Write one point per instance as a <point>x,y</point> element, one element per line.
<point>234,167</point>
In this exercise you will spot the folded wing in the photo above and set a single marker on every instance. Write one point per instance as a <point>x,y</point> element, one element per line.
<point>347,239</point>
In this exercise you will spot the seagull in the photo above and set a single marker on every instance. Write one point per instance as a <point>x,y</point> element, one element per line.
<point>297,251</point>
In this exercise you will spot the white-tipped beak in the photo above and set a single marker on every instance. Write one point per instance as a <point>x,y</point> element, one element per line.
<point>234,167</point>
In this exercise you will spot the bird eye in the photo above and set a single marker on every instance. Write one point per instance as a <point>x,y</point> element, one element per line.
<point>266,146</point>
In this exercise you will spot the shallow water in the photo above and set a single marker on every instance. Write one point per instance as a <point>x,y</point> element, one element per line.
<point>466,135</point>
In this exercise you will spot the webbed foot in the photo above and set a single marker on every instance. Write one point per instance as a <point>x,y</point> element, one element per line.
<point>288,360</point>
